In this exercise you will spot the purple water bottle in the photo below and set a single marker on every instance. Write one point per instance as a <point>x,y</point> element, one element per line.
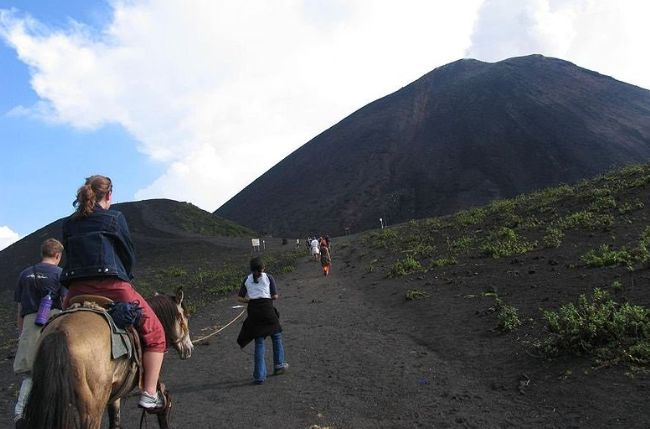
<point>44,310</point>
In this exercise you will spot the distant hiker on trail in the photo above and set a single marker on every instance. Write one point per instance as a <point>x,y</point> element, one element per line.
<point>258,291</point>
<point>315,250</point>
<point>34,284</point>
<point>325,258</point>
<point>324,241</point>
<point>99,259</point>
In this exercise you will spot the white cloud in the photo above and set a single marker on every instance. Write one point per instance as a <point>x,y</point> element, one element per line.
<point>221,91</point>
<point>7,237</point>
<point>608,36</point>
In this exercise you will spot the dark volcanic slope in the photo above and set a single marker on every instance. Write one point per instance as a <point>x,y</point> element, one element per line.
<point>460,136</point>
<point>164,231</point>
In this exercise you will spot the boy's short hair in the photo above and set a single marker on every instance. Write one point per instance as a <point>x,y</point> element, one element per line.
<point>51,247</point>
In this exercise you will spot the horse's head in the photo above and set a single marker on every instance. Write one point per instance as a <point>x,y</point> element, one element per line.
<point>174,317</point>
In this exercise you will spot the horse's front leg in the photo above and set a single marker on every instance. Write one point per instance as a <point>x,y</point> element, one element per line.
<point>114,414</point>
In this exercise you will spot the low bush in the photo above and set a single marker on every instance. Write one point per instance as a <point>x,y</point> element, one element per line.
<point>603,203</point>
<point>470,216</point>
<point>507,316</point>
<point>405,266</point>
<point>415,294</point>
<point>586,219</point>
<point>553,237</point>
<point>598,325</point>
<point>461,244</point>
<point>386,237</point>
<point>605,256</point>
<point>443,262</point>
<point>505,242</point>
<point>630,206</point>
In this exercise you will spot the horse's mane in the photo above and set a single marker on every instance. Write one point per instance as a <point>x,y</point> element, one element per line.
<point>165,308</point>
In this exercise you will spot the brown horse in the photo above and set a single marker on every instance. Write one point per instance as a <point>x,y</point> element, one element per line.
<point>75,378</point>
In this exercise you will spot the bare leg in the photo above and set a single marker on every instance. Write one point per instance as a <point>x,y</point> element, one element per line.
<point>152,362</point>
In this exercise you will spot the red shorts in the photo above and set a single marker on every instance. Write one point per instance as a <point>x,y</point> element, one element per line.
<point>149,328</point>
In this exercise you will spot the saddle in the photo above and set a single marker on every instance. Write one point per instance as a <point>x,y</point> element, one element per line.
<point>124,342</point>
<point>100,304</point>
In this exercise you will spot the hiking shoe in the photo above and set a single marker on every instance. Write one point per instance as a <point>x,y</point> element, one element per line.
<point>281,370</point>
<point>258,382</point>
<point>20,422</point>
<point>150,402</point>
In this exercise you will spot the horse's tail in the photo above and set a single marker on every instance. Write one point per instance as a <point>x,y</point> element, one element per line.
<point>52,403</point>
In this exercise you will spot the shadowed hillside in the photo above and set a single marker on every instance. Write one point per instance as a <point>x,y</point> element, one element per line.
<point>460,136</point>
<point>565,269</point>
<point>164,232</point>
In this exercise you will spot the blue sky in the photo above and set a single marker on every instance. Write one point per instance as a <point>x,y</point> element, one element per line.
<point>194,99</point>
<point>43,163</point>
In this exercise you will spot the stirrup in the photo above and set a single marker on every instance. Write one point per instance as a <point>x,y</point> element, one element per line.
<point>166,400</point>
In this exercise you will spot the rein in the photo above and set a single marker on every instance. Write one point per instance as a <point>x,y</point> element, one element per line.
<point>198,340</point>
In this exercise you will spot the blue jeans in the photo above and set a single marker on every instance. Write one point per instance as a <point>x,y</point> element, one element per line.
<point>259,373</point>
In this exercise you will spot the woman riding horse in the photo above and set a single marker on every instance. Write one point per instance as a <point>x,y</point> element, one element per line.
<point>75,376</point>
<point>99,259</point>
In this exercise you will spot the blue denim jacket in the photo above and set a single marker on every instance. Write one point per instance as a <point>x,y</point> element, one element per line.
<point>98,245</point>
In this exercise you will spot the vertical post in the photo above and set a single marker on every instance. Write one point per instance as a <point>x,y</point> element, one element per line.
<point>381,222</point>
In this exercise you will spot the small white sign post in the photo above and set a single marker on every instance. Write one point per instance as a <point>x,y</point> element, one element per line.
<point>255,242</point>
<point>381,222</point>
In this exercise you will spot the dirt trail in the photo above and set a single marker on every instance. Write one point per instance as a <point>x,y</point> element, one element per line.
<point>354,364</point>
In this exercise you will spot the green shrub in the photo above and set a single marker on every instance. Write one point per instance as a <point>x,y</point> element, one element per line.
<point>505,242</point>
<point>552,195</point>
<point>433,223</point>
<point>461,244</point>
<point>415,294</point>
<point>595,323</point>
<point>222,281</point>
<point>604,256</point>
<point>405,266</point>
<point>530,222</point>
<point>628,206</point>
<point>509,219</point>
<point>603,203</point>
<point>644,244</point>
<point>282,262</point>
<point>502,206</point>
<point>507,317</point>
<point>553,237</point>
<point>422,250</point>
<point>443,262</point>
<point>470,217</point>
<point>639,182</point>
<point>640,352</point>
<point>386,237</point>
<point>586,219</point>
